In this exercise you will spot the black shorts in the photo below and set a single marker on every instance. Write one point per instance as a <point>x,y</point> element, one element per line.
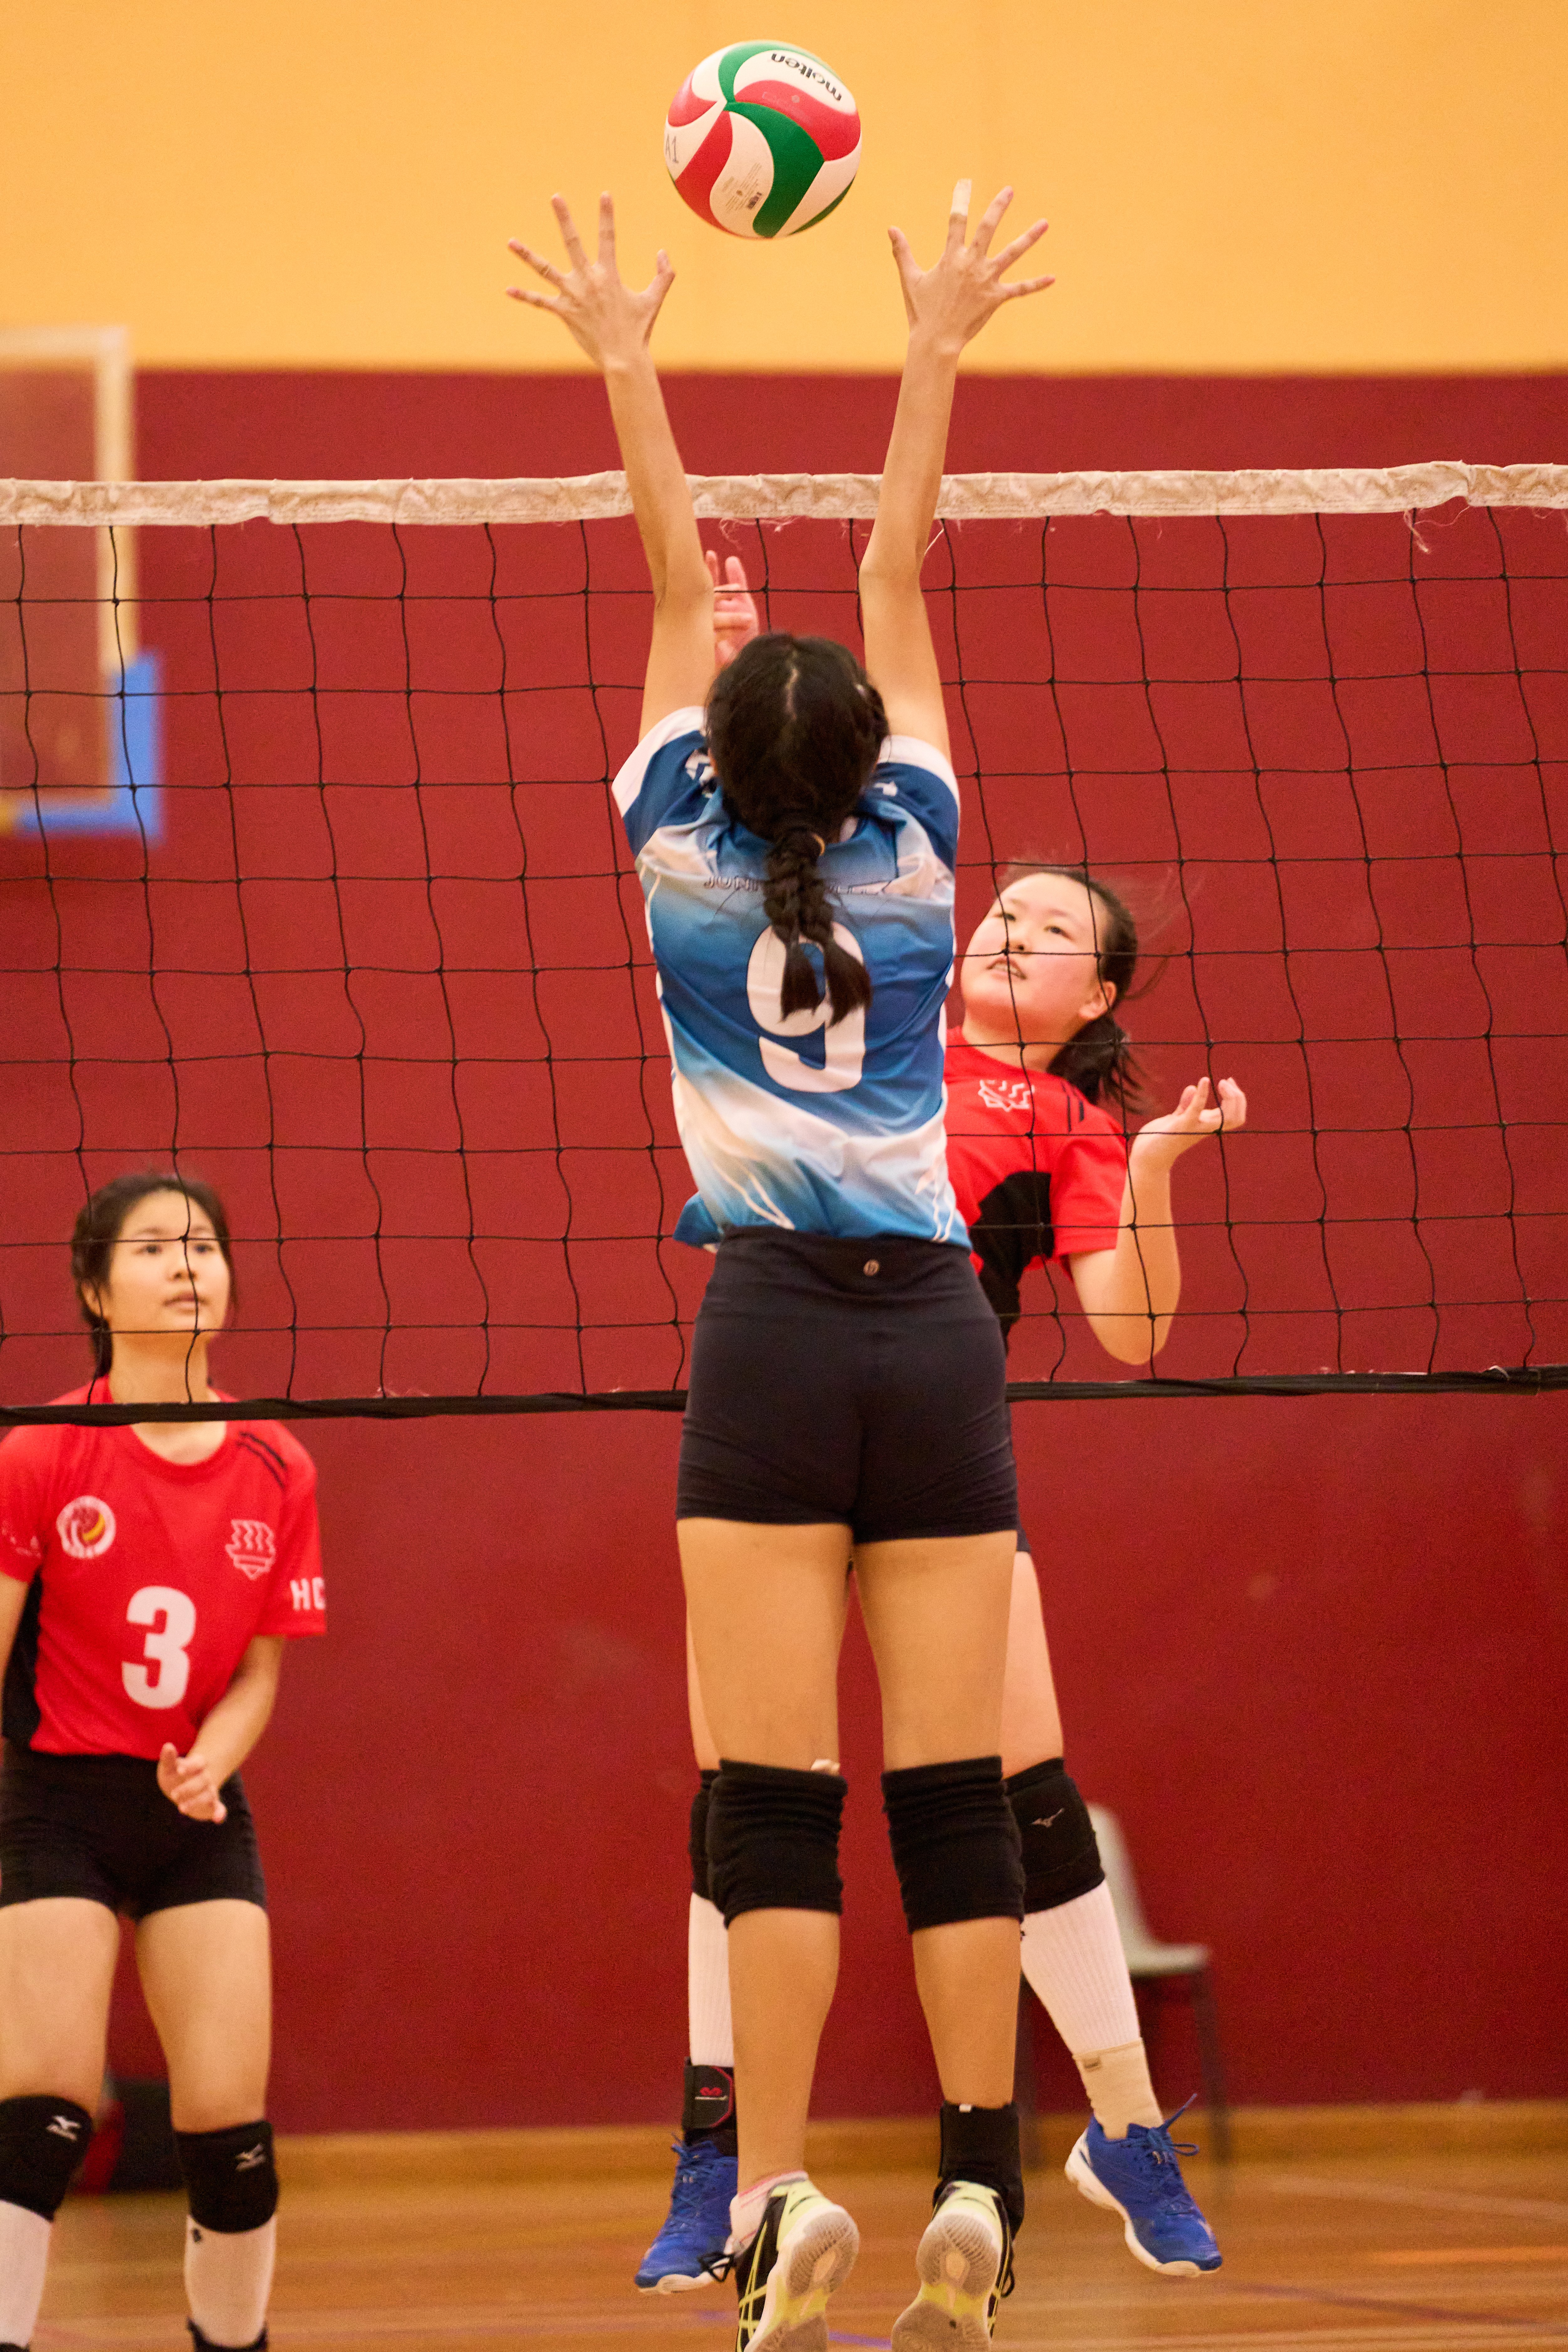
<point>100,1827</point>
<point>854,1381</point>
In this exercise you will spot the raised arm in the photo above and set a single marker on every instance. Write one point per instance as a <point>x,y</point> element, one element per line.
<point>946,305</point>
<point>1129,1294</point>
<point>612,324</point>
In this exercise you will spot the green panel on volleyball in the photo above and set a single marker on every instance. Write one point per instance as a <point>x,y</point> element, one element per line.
<point>762,140</point>
<point>797,159</point>
<point>730,62</point>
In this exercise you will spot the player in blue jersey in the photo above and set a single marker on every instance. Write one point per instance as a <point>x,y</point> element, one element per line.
<point>795,831</point>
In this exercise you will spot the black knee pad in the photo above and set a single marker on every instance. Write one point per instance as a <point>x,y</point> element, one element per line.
<point>231,2181</point>
<point>773,1840</point>
<point>955,1842</point>
<point>42,2141</point>
<point>204,2343</point>
<point>982,2144</point>
<point>697,1840</point>
<point>1061,1857</point>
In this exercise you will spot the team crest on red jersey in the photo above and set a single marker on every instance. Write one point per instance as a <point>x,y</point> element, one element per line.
<point>1007,1093</point>
<point>251,1547</point>
<point>86,1526</point>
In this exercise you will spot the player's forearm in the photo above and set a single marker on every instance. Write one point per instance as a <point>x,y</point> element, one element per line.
<point>1137,1287</point>
<point>911,477</point>
<point>236,1722</point>
<point>656,479</point>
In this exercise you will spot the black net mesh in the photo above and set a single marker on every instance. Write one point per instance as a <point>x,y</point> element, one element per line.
<point>373,960</point>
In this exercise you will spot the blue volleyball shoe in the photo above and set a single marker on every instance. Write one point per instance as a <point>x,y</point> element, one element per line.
<point>1141,2179</point>
<point>688,2252</point>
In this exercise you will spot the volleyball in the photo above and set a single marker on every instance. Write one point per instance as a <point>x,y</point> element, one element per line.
<point>762,140</point>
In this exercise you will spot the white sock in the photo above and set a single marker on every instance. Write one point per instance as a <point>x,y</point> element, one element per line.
<point>1073,1959</point>
<point>707,1986</point>
<point>746,2210</point>
<point>228,2278</point>
<point>23,2259</point>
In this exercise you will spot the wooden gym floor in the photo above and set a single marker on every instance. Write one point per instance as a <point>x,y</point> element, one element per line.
<point>1430,2253</point>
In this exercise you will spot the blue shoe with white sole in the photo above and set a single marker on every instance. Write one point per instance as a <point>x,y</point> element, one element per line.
<point>688,2252</point>
<point>1141,2179</point>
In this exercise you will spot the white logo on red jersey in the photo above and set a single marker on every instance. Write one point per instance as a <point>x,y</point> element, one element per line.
<point>1011,1094</point>
<point>86,1526</point>
<point>251,1547</point>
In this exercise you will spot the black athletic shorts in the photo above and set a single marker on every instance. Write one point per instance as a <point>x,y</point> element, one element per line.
<point>858,1380</point>
<point>100,1827</point>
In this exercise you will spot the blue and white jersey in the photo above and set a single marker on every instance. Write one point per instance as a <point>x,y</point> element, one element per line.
<point>790,1122</point>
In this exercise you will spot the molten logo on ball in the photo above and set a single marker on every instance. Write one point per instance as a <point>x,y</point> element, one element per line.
<point>762,140</point>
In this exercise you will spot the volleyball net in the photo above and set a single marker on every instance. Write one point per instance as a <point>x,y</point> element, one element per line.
<point>355,934</point>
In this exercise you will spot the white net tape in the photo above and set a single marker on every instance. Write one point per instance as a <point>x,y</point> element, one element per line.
<point>782,497</point>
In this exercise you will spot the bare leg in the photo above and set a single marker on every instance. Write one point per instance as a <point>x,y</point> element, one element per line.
<point>57,1972</point>
<point>936,1613</point>
<point>206,1970</point>
<point>703,1745</point>
<point>1031,1719</point>
<point>766,1614</point>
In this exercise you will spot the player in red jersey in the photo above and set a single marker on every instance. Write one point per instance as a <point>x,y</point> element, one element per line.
<point>150,1575</point>
<point>1040,1084</point>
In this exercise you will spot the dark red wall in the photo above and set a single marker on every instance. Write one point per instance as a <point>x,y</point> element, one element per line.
<point>1306,1648</point>
<point>204,425</point>
<point>1308,1652</point>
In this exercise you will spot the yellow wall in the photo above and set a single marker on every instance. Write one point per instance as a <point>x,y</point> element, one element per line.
<point>1249,184</point>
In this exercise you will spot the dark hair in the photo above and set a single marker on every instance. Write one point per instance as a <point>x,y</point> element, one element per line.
<point>1099,1061</point>
<point>795,727</point>
<point>98,1227</point>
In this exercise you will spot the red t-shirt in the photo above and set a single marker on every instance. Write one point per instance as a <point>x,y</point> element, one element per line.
<point>150,1578</point>
<point>1038,1169</point>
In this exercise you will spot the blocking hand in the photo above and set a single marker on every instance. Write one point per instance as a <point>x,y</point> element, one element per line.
<point>610,321</point>
<point>953,299</point>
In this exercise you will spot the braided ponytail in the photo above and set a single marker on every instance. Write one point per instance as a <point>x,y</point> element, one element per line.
<point>799,909</point>
<point>795,727</point>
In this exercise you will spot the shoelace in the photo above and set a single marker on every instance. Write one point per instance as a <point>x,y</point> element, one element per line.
<point>688,2183</point>
<point>1164,2150</point>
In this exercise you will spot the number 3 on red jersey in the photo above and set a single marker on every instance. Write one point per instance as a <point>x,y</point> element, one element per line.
<point>162,1682</point>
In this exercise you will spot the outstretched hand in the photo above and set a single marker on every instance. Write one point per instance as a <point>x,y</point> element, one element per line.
<point>953,299</point>
<point>188,1783</point>
<point>735,619</point>
<point>1162,1141</point>
<point>610,321</point>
